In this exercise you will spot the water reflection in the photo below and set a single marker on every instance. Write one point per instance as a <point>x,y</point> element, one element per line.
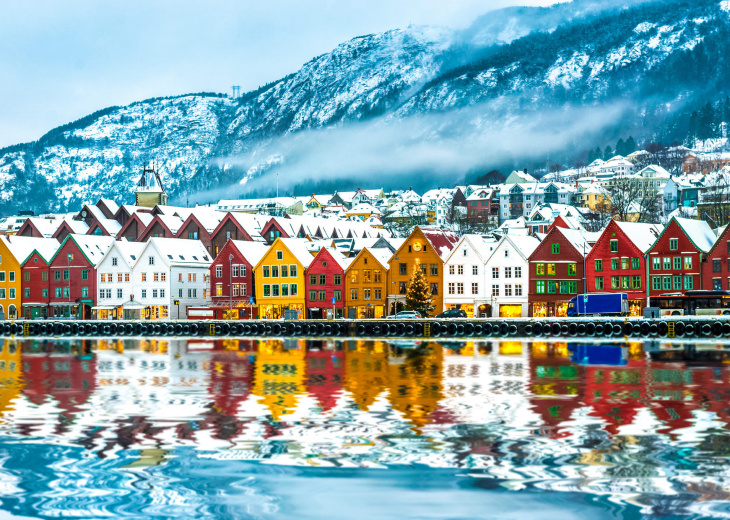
<point>125,416</point>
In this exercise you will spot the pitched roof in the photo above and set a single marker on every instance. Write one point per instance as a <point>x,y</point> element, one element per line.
<point>251,251</point>
<point>524,244</point>
<point>443,241</point>
<point>576,238</point>
<point>92,246</point>
<point>176,251</point>
<point>23,247</point>
<point>698,231</point>
<point>298,248</point>
<point>129,251</point>
<point>642,235</point>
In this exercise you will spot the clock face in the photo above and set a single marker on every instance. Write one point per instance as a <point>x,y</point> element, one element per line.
<point>417,247</point>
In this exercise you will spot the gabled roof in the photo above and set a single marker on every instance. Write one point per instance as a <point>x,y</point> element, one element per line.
<point>129,252</point>
<point>251,224</point>
<point>525,245</point>
<point>45,226</point>
<point>443,241</point>
<point>698,231</point>
<point>338,257</point>
<point>296,246</point>
<point>642,235</point>
<point>178,252</point>
<point>23,247</point>
<point>574,237</point>
<point>93,247</point>
<point>251,251</point>
<point>482,245</point>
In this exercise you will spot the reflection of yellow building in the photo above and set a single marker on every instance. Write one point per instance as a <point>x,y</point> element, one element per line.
<point>510,348</point>
<point>11,381</point>
<point>366,371</point>
<point>415,381</point>
<point>279,377</point>
<point>541,349</point>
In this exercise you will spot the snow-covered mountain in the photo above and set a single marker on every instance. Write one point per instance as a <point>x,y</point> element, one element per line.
<point>421,105</point>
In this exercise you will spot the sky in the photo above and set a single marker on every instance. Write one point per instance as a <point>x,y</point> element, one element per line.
<point>60,61</point>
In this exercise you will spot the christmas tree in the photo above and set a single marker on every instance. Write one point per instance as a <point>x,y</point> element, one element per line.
<point>418,295</point>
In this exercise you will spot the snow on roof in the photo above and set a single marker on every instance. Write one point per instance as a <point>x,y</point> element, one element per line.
<point>338,257</point>
<point>642,235</point>
<point>175,251</point>
<point>23,247</point>
<point>110,204</point>
<point>525,244</point>
<point>209,218</point>
<point>172,222</point>
<point>519,176</point>
<point>382,255</point>
<point>251,251</point>
<point>698,231</point>
<point>251,223</point>
<point>46,227</point>
<point>363,208</point>
<point>576,238</point>
<point>443,241</point>
<point>129,251</point>
<point>93,246</point>
<point>297,247</point>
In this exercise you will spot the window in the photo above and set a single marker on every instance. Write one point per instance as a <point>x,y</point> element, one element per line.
<point>267,290</point>
<point>614,282</point>
<point>154,293</point>
<point>598,265</point>
<point>180,279</point>
<point>126,277</point>
<point>434,269</point>
<point>636,282</point>
<point>434,288</point>
<point>540,269</point>
<point>572,269</point>
<point>57,275</point>
<point>101,293</point>
<point>322,279</point>
<point>614,246</point>
<point>506,253</point>
<point>688,262</point>
<point>551,269</point>
<point>376,275</point>
<point>518,272</point>
<point>475,288</point>
<point>460,288</point>
<point>119,293</point>
<point>354,275</point>
<point>26,276</point>
<point>556,249</point>
<point>452,288</point>
<point>402,268</point>
<point>242,271</point>
<point>65,275</point>
<point>292,289</point>
<point>151,260</point>
<point>634,263</point>
<point>614,264</point>
<point>667,263</point>
<point>353,294</point>
<point>366,294</point>
<point>144,277</point>
<point>495,272</point>
<point>667,283</point>
<point>474,270</point>
<point>244,289</point>
<point>541,287</point>
<point>677,283</point>
<point>508,272</point>
<point>312,296</point>
<point>114,261</point>
<point>599,283</point>
<point>312,279</point>
<point>552,287</point>
<point>292,273</point>
<point>267,271</point>
<point>26,292</point>
<point>716,265</point>
<point>275,290</point>
<point>625,281</point>
<point>157,277</point>
<point>688,282</point>
<point>460,270</point>
<point>673,244</point>
<point>144,293</point>
<point>180,293</point>
<point>280,255</point>
<point>717,284</point>
<point>275,271</point>
<point>322,295</point>
<point>656,283</point>
<point>518,289</point>
<point>495,290</point>
<point>624,263</point>
<point>655,263</point>
<point>119,277</point>
<point>452,269</point>
<point>677,262</point>
<point>219,271</point>
<point>218,289</point>
<point>377,294</point>
<point>402,287</point>
<point>338,296</point>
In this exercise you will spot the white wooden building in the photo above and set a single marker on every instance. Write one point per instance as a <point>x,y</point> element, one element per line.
<point>464,275</point>
<point>507,276</point>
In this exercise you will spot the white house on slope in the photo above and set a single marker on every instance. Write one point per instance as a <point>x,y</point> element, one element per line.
<point>507,273</point>
<point>464,274</point>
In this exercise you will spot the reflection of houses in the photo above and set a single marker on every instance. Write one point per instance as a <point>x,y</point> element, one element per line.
<point>324,372</point>
<point>366,372</point>
<point>279,378</point>
<point>11,374</point>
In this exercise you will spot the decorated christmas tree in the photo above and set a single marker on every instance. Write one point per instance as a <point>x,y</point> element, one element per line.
<point>418,296</point>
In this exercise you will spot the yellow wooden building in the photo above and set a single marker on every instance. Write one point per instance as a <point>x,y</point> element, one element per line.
<point>279,278</point>
<point>366,284</point>
<point>427,247</point>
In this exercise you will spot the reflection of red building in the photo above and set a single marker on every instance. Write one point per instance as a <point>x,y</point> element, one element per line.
<point>557,387</point>
<point>674,395</point>
<point>231,378</point>
<point>712,389</point>
<point>616,393</point>
<point>324,373</point>
<point>62,376</point>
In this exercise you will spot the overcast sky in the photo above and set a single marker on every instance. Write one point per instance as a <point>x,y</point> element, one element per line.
<point>61,60</point>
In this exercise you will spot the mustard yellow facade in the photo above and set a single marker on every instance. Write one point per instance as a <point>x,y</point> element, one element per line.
<point>279,279</point>
<point>10,290</point>
<point>366,287</point>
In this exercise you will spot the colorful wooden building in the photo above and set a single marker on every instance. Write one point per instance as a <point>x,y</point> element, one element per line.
<point>325,284</point>
<point>367,284</point>
<point>279,278</point>
<point>716,267</point>
<point>14,251</point>
<point>232,279</point>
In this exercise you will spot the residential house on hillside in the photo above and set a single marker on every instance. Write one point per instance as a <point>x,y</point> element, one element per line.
<point>556,272</point>
<point>507,273</point>
<point>517,200</point>
<point>278,206</point>
<point>366,284</point>
<point>616,262</point>
<point>464,275</point>
<point>675,258</point>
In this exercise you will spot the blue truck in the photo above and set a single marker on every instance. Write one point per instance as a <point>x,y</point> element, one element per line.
<point>599,304</point>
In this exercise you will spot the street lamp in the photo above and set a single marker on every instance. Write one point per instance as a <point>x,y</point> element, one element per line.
<point>69,257</point>
<point>230,287</point>
<point>395,290</point>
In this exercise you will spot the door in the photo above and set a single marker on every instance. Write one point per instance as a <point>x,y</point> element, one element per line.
<point>35,313</point>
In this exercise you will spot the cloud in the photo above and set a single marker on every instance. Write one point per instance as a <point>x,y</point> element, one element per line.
<point>425,150</point>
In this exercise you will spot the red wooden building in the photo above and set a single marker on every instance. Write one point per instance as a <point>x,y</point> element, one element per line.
<point>716,268</point>
<point>236,226</point>
<point>675,259</point>
<point>72,275</point>
<point>199,226</point>
<point>556,272</point>
<point>232,279</point>
<point>325,284</point>
<point>35,285</point>
<point>616,263</point>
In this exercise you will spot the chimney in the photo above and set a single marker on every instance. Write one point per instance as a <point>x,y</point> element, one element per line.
<point>525,170</point>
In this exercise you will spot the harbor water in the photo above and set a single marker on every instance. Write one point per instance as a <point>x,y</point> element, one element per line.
<point>314,429</point>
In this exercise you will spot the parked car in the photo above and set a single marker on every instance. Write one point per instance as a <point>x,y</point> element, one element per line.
<point>405,315</point>
<point>452,313</point>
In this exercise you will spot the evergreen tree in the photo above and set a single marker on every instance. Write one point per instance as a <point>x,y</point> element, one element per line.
<point>591,156</point>
<point>418,295</point>
<point>621,147</point>
<point>607,153</point>
<point>630,145</point>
